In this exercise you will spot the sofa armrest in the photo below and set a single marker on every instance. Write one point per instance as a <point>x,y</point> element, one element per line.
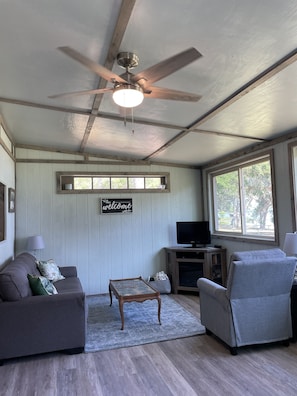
<point>41,324</point>
<point>69,271</point>
<point>47,302</point>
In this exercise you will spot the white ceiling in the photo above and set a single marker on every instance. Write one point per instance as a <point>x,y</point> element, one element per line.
<point>247,76</point>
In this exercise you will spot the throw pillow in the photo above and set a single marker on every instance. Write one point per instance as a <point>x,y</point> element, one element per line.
<point>41,285</point>
<point>50,270</point>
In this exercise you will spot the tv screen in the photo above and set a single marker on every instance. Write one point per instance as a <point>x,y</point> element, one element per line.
<point>195,233</point>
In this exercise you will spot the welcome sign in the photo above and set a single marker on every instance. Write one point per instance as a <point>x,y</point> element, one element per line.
<point>116,205</point>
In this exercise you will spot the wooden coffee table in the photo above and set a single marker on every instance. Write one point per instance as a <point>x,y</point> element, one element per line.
<point>133,289</point>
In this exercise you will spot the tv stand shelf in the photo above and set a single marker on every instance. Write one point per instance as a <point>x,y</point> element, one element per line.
<point>185,265</point>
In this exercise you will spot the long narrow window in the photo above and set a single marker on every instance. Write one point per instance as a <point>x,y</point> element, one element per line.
<point>243,200</point>
<point>112,182</point>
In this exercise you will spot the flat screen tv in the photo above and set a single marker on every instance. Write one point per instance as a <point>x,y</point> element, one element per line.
<point>195,233</point>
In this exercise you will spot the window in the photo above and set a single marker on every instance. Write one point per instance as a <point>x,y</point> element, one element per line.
<point>243,200</point>
<point>82,183</point>
<point>111,182</point>
<point>293,157</point>
<point>5,141</point>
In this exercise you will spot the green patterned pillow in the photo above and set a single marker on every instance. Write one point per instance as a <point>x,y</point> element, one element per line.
<point>50,270</point>
<point>41,285</point>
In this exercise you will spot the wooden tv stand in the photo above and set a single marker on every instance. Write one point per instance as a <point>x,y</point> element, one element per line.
<point>186,265</point>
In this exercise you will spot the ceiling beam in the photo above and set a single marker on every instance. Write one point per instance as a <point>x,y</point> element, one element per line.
<point>119,159</point>
<point>186,131</point>
<point>245,89</point>
<point>114,117</point>
<point>107,116</point>
<point>201,131</point>
<point>44,106</point>
<point>118,34</point>
<point>248,87</point>
<point>110,159</point>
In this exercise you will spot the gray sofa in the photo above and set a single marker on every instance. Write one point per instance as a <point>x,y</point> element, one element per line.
<point>254,308</point>
<point>32,324</point>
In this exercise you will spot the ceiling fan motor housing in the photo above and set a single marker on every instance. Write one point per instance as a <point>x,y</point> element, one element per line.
<point>127,60</point>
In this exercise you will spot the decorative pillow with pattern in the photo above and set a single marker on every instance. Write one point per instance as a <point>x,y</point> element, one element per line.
<point>50,270</point>
<point>41,285</point>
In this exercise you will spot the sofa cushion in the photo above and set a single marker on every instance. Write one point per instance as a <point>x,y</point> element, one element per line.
<point>41,285</point>
<point>69,285</point>
<point>14,284</point>
<point>50,270</point>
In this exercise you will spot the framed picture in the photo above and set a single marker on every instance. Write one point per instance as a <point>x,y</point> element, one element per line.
<point>11,200</point>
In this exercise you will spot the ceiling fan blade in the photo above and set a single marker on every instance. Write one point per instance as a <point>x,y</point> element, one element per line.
<point>166,67</point>
<point>87,92</point>
<point>172,94</point>
<point>95,67</point>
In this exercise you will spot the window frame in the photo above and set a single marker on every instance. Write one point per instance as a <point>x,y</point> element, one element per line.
<point>63,178</point>
<point>235,166</point>
<point>5,140</point>
<point>293,182</point>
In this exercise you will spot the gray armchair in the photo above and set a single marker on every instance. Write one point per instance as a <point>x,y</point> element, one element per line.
<point>254,308</point>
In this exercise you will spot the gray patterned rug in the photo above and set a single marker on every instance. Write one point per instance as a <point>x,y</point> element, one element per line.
<point>141,323</point>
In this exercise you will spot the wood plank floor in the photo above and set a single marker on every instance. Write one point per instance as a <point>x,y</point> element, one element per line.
<point>199,365</point>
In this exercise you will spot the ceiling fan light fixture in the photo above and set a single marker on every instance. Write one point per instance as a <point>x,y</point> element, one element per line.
<point>128,95</point>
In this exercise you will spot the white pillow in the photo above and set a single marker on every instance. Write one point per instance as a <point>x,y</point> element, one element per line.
<point>50,270</point>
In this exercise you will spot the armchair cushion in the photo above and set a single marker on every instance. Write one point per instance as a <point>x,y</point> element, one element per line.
<point>259,278</point>
<point>258,254</point>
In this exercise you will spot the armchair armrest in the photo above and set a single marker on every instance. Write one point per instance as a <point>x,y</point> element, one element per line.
<point>215,310</point>
<point>69,271</point>
<point>213,290</point>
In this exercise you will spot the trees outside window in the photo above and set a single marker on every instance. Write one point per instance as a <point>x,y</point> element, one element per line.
<point>243,203</point>
<point>293,178</point>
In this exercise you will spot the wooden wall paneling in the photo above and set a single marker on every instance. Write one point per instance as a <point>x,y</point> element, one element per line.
<point>102,246</point>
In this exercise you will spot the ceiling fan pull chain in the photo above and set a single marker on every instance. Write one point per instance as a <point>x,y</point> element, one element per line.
<point>132,115</point>
<point>125,117</point>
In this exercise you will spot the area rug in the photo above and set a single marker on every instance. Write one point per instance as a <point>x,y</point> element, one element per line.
<point>141,323</point>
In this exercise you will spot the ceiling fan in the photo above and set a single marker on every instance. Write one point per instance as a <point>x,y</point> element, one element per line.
<point>129,89</point>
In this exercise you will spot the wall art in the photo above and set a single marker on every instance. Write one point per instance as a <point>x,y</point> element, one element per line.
<point>116,205</point>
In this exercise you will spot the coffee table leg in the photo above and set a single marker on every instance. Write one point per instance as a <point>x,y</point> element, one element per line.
<point>121,312</point>
<point>110,296</point>
<point>159,310</point>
